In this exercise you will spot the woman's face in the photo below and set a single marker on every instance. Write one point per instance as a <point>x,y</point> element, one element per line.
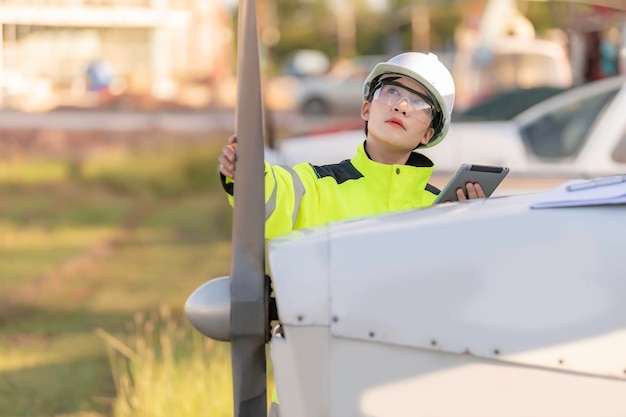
<point>399,115</point>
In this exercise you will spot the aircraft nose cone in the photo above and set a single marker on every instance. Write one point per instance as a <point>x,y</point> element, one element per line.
<point>208,309</point>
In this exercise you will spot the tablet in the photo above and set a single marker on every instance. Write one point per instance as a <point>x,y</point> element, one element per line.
<point>489,177</point>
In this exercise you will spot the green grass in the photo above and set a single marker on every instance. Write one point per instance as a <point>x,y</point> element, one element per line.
<point>28,171</point>
<point>42,227</point>
<point>166,368</point>
<point>93,250</point>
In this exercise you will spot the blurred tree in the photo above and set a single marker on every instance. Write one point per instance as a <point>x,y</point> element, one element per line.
<point>400,25</point>
<point>419,25</point>
<point>444,19</point>
<point>304,24</point>
<point>312,24</point>
<point>542,14</point>
<point>371,28</point>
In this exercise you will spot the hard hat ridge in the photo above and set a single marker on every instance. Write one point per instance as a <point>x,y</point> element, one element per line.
<point>427,70</point>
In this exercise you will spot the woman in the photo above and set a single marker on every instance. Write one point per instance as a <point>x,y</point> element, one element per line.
<point>407,105</point>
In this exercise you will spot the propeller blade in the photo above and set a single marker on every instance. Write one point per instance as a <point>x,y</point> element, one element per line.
<point>248,315</point>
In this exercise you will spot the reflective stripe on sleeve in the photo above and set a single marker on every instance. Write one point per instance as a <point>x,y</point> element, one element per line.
<point>298,193</point>
<point>270,206</point>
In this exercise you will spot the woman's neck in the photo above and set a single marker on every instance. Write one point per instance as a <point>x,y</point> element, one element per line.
<point>383,155</point>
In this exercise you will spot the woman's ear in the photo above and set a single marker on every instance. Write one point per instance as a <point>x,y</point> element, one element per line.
<point>365,110</point>
<point>427,136</point>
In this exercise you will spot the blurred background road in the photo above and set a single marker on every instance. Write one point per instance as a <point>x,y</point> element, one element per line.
<point>94,129</point>
<point>197,121</point>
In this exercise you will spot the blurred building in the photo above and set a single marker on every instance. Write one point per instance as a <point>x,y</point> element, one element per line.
<point>163,49</point>
<point>498,49</point>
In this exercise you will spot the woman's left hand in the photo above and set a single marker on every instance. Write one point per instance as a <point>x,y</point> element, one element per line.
<point>474,191</point>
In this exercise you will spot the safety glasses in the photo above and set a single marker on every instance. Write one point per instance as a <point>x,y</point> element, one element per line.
<point>393,94</point>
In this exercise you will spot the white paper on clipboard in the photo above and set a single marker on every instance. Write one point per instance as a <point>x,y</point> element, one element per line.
<point>596,192</point>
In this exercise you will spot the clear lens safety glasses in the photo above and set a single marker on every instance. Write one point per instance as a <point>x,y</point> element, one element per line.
<point>393,94</point>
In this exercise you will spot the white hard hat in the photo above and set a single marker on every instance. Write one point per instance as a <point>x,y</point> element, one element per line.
<point>432,74</point>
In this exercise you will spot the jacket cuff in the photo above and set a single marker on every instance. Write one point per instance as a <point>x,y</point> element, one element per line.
<point>228,184</point>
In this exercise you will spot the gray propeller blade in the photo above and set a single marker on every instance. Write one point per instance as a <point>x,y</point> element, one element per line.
<point>248,315</point>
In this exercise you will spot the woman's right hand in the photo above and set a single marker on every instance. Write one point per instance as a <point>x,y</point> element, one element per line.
<point>228,157</point>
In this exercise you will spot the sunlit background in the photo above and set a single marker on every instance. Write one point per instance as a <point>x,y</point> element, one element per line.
<point>113,112</point>
<point>65,53</point>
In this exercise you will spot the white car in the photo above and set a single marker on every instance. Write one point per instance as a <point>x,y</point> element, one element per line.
<point>578,133</point>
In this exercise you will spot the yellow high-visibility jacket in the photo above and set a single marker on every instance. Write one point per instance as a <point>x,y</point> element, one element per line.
<point>308,195</point>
